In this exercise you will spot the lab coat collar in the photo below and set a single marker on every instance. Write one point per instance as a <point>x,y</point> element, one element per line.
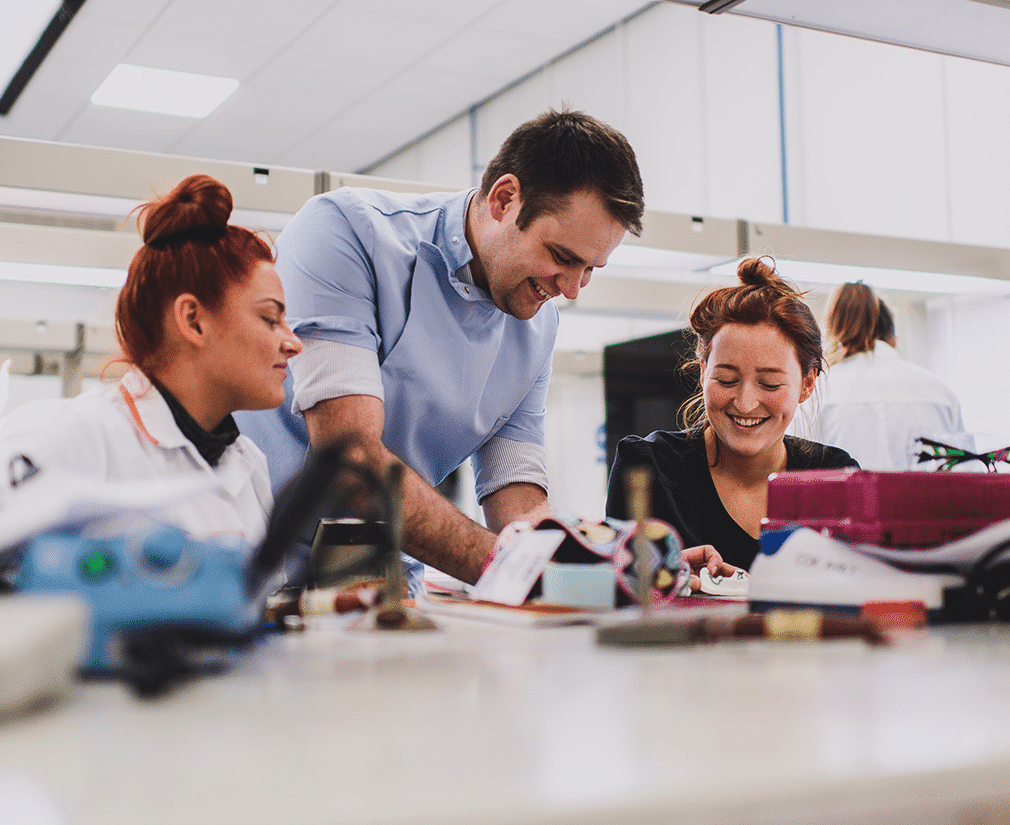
<point>881,349</point>
<point>882,352</point>
<point>153,419</point>
<point>151,414</point>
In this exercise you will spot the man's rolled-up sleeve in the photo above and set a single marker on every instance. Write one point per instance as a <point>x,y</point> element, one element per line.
<point>330,290</point>
<point>326,369</point>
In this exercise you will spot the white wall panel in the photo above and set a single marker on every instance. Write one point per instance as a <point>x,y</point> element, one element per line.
<point>442,159</point>
<point>792,51</point>
<point>873,137</point>
<point>499,116</point>
<point>576,447</point>
<point>593,79</point>
<point>682,97</point>
<point>978,105</point>
<point>404,166</point>
<point>741,119</point>
<point>665,101</point>
<point>445,156</point>
<point>970,352</point>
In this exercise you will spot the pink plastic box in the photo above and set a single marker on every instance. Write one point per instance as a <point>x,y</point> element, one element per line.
<point>912,509</point>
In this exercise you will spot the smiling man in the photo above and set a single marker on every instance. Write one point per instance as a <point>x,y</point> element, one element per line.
<point>428,325</point>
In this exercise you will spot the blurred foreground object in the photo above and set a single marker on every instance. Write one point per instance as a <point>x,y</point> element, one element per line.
<point>43,640</point>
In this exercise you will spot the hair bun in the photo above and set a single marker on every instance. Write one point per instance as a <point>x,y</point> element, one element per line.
<point>197,209</point>
<point>754,272</point>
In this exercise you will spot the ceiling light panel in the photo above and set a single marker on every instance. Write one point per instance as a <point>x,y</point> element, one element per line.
<point>163,91</point>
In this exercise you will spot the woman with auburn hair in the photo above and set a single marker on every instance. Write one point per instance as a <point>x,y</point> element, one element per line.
<point>201,325</point>
<point>759,354</point>
<point>875,404</point>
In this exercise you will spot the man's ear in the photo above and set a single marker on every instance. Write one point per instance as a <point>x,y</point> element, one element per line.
<point>504,195</point>
<point>188,314</point>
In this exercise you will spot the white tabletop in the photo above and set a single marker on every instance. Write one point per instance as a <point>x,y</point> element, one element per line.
<point>480,723</point>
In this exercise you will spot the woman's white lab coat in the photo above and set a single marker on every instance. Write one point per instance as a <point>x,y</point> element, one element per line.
<point>126,431</point>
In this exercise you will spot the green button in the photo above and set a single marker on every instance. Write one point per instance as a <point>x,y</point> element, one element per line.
<point>97,564</point>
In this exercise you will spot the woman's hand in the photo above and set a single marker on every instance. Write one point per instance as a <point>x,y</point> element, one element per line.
<point>705,555</point>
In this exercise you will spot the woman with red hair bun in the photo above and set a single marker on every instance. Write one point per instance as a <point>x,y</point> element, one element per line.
<point>759,354</point>
<point>201,325</point>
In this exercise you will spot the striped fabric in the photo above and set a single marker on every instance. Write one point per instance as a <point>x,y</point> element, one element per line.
<point>327,369</point>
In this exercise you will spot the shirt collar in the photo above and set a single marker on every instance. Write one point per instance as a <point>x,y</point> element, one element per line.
<point>450,235</point>
<point>450,238</point>
<point>465,276</point>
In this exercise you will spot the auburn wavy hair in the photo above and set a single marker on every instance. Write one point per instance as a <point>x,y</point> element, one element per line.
<point>762,297</point>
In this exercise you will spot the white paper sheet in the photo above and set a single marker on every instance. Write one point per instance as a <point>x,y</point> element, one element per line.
<point>514,571</point>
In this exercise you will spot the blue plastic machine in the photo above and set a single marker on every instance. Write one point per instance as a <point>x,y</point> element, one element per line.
<point>163,602</point>
<point>162,577</point>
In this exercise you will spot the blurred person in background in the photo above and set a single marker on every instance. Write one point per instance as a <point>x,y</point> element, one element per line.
<point>874,403</point>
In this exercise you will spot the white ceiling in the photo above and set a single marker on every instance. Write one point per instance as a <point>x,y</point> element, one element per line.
<point>339,84</point>
<point>325,84</point>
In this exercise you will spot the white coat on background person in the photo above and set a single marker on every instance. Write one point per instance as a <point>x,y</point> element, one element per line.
<point>200,321</point>
<point>875,404</point>
<point>872,403</point>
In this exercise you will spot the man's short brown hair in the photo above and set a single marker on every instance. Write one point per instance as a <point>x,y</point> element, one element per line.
<point>560,153</point>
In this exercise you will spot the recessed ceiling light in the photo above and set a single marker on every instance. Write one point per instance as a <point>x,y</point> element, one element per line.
<point>163,91</point>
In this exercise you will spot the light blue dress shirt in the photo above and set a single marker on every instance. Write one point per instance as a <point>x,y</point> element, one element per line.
<point>388,275</point>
